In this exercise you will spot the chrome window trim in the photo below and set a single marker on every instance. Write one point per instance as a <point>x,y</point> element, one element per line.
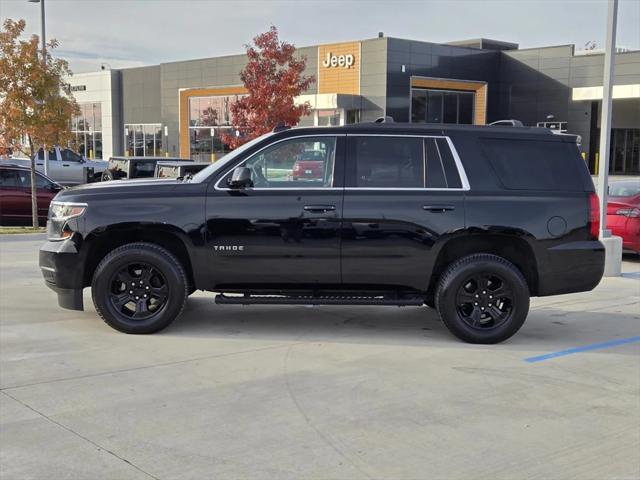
<point>461,171</point>
<point>456,158</point>
<point>408,189</point>
<point>336,135</point>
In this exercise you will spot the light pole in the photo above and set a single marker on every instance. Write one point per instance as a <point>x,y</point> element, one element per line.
<point>613,245</point>
<point>45,150</point>
<point>42,37</point>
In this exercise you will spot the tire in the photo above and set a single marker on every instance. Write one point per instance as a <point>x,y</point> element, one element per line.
<point>482,298</point>
<point>107,176</point>
<point>156,288</point>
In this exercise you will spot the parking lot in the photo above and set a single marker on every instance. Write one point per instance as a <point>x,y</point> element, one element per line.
<point>315,392</point>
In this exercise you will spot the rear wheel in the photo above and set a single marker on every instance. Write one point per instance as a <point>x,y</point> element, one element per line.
<point>139,288</point>
<point>482,298</point>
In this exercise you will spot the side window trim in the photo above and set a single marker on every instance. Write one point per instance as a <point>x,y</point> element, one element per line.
<point>336,156</point>
<point>461,172</point>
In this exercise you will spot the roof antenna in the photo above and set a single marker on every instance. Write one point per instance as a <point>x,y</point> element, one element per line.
<point>385,119</point>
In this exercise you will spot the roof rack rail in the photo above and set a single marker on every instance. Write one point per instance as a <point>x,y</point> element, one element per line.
<point>385,119</point>
<point>280,126</point>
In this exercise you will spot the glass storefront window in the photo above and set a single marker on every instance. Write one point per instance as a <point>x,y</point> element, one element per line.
<point>203,145</point>
<point>441,106</point>
<point>143,140</point>
<point>211,111</point>
<point>434,107</point>
<point>205,113</point>
<point>87,130</point>
<point>329,118</point>
<point>624,150</point>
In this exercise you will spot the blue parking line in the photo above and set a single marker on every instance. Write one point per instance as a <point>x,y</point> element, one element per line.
<point>585,348</point>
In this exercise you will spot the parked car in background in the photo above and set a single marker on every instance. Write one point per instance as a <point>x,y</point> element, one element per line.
<point>310,166</point>
<point>623,213</point>
<point>179,169</point>
<point>15,194</point>
<point>66,167</point>
<point>126,168</point>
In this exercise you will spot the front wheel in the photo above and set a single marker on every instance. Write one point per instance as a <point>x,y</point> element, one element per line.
<point>107,176</point>
<point>139,288</point>
<point>482,298</point>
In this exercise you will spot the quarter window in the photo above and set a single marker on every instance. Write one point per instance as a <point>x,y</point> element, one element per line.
<point>297,163</point>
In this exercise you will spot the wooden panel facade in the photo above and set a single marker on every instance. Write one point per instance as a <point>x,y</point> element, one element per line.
<point>335,74</point>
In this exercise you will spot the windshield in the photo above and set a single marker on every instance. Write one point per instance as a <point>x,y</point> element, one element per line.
<point>624,189</point>
<point>224,161</point>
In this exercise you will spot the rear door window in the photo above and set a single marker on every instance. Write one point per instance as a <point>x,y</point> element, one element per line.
<point>533,164</point>
<point>388,162</point>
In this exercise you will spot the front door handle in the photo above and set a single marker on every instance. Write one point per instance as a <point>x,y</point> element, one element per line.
<point>438,208</point>
<point>319,208</point>
<point>65,164</point>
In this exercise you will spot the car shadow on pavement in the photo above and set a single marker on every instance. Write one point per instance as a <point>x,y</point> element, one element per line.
<point>546,328</point>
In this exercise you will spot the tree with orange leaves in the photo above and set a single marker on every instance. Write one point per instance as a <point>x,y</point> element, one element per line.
<point>273,78</point>
<point>35,110</point>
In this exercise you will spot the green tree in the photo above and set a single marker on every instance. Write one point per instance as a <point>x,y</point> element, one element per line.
<point>35,109</point>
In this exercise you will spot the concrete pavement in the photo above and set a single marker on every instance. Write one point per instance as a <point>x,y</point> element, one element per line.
<point>324,392</point>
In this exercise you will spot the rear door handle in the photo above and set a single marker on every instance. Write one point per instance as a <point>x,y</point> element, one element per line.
<point>438,208</point>
<point>319,208</point>
<point>65,164</point>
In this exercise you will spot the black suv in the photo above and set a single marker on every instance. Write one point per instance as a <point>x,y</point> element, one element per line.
<point>469,220</point>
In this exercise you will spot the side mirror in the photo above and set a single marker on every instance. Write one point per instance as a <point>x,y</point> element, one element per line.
<point>241,178</point>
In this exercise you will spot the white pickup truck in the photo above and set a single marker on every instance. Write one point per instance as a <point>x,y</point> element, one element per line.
<point>66,166</point>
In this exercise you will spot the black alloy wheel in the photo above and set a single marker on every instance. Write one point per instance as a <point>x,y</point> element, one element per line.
<point>482,298</point>
<point>138,291</point>
<point>139,288</point>
<point>484,301</point>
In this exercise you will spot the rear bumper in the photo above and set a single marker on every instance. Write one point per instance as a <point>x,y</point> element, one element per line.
<point>572,267</point>
<point>62,268</point>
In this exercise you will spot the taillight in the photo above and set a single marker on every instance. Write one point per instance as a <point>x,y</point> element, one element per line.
<point>629,212</point>
<point>594,215</point>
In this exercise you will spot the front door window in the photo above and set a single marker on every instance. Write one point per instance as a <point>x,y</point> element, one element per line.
<point>298,163</point>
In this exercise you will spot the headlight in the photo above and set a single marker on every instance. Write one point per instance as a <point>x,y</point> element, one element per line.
<point>60,213</point>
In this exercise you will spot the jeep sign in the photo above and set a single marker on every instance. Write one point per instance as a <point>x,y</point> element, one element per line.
<point>345,61</point>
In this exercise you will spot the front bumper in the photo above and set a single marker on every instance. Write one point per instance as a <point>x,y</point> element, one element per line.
<point>62,267</point>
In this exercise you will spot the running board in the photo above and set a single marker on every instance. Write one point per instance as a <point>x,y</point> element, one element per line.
<point>248,299</point>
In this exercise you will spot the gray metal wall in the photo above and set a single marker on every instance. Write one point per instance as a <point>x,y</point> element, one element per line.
<point>141,95</point>
<point>439,61</point>
<point>538,82</point>
<point>373,78</point>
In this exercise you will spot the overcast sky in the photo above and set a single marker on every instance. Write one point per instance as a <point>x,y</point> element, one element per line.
<point>127,33</point>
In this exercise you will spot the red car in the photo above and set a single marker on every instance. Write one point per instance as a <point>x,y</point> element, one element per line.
<point>310,166</point>
<point>623,213</point>
<point>15,195</point>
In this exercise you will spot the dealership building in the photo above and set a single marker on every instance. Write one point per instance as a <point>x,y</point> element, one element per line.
<point>181,108</point>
